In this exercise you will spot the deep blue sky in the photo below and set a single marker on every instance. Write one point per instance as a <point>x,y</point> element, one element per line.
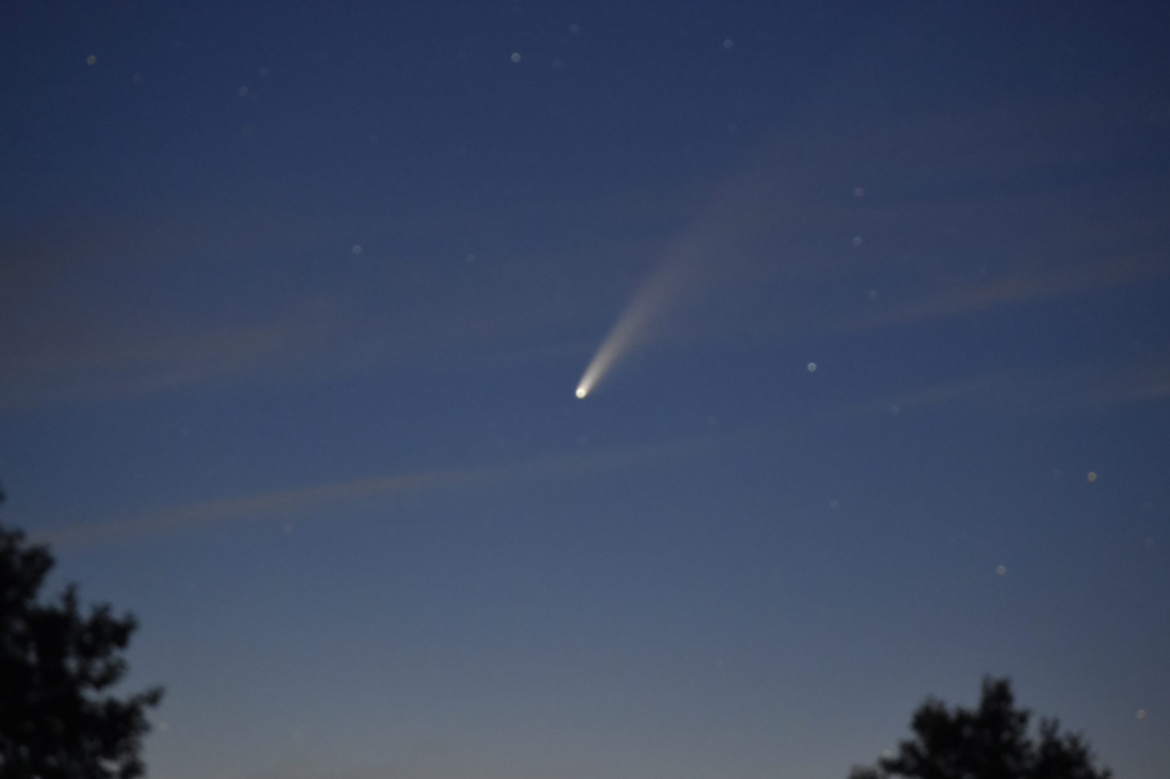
<point>294,298</point>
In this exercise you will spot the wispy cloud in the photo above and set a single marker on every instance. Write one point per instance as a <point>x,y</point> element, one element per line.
<point>1034,390</point>
<point>85,366</point>
<point>86,358</point>
<point>296,501</point>
<point>1142,380</point>
<point>93,311</point>
<point>1023,287</point>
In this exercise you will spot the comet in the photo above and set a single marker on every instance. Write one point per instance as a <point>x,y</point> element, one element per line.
<point>636,325</point>
<point>712,243</point>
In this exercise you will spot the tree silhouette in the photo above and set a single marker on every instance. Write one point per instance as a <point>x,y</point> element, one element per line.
<point>56,721</point>
<point>990,742</point>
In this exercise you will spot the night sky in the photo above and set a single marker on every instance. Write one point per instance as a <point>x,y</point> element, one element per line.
<point>294,299</point>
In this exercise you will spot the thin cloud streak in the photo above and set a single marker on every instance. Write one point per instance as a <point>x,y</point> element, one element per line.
<point>380,488</point>
<point>312,338</point>
<point>127,365</point>
<point>976,298</point>
<point>1144,381</point>
<point>1074,391</point>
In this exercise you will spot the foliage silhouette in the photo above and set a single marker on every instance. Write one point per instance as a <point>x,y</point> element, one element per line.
<point>57,719</point>
<point>990,742</point>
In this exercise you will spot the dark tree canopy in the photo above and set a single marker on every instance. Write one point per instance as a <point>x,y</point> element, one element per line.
<point>990,742</point>
<point>57,718</point>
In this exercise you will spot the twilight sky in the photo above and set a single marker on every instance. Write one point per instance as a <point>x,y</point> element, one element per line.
<point>294,298</point>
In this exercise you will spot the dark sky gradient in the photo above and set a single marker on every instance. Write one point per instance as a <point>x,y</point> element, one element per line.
<point>294,298</point>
